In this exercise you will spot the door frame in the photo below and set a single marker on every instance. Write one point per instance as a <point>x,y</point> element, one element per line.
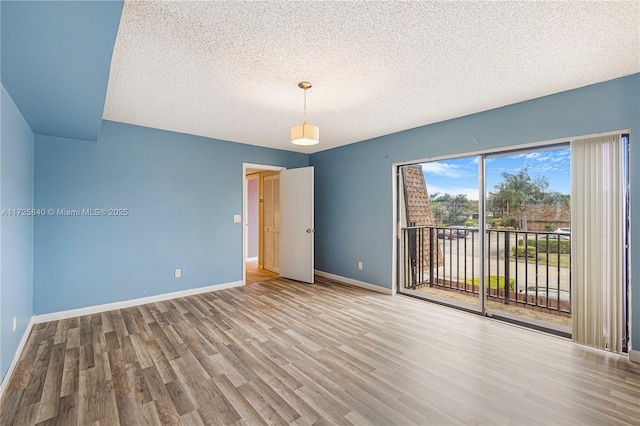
<point>245,166</point>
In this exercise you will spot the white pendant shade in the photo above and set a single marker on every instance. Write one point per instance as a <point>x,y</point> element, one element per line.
<point>305,134</point>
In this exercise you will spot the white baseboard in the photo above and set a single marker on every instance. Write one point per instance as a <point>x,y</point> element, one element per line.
<point>54,316</point>
<point>252,259</point>
<point>16,357</point>
<point>634,356</point>
<point>356,283</point>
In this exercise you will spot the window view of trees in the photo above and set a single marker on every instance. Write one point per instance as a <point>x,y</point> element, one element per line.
<point>519,192</point>
<point>452,209</point>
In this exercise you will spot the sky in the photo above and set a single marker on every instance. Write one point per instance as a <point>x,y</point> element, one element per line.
<point>460,176</point>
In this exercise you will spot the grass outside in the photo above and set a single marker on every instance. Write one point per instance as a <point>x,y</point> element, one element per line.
<point>564,260</point>
<point>494,281</point>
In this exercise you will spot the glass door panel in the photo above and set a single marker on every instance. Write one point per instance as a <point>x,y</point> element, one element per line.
<point>528,237</point>
<point>439,235</point>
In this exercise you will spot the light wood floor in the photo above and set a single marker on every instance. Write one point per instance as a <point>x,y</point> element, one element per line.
<point>289,353</point>
<point>255,274</point>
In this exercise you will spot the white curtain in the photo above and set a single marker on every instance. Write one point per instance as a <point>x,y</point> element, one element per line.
<point>598,241</point>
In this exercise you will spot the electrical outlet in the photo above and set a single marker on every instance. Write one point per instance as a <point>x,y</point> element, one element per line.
<point>237,218</point>
<point>177,273</point>
<point>15,324</point>
<point>360,265</point>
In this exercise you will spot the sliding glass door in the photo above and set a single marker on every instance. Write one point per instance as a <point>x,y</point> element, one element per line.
<point>490,234</point>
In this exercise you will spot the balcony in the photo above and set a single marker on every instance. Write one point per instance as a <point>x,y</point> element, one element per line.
<point>527,273</point>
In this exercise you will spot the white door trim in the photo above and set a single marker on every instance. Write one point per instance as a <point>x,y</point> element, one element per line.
<point>394,228</point>
<point>246,166</point>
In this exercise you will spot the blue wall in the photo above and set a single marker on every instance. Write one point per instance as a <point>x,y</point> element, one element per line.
<point>353,205</point>
<point>16,232</point>
<point>181,192</point>
<point>56,59</point>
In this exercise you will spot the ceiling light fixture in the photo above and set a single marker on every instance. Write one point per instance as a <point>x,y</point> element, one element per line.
<point>305,134</point>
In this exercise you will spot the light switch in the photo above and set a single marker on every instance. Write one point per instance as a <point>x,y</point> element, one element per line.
<point>237,218</point>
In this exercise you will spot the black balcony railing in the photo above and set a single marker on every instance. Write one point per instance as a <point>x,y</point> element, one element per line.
<point>526,268</point>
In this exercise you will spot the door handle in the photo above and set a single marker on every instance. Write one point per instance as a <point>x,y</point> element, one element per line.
<point>311,231</point>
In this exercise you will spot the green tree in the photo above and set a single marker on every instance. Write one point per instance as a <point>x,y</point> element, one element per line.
<point>518,189</point>
<point>451,209</point>
<point>440,212</point>
<point>458,209</point>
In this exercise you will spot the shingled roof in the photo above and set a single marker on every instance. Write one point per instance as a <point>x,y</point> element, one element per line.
<point>419,213</point>
<point>416,197</point>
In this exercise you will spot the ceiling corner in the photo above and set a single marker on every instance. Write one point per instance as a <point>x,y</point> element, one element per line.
<point>56,59</point>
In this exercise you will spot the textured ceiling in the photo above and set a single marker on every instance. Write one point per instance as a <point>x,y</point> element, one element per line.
<point>229,70</point>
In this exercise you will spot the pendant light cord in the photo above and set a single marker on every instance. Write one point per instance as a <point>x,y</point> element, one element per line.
<point>305,105</point>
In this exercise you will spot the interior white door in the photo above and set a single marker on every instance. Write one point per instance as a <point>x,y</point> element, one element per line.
<point>296,226</point>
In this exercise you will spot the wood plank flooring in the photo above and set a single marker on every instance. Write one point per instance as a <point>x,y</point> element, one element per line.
<point>256,274</point>
<point>283,352</point>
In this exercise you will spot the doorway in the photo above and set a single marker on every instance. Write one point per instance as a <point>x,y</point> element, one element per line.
<point>286,228</point>
<point>262,223</point>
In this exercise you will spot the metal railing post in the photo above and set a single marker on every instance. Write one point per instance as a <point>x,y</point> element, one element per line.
<point>507,271</point>
<point>413,254</point>
<point>431,257</point>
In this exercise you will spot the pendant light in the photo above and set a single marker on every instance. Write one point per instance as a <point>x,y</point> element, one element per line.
<point>305,134</point>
